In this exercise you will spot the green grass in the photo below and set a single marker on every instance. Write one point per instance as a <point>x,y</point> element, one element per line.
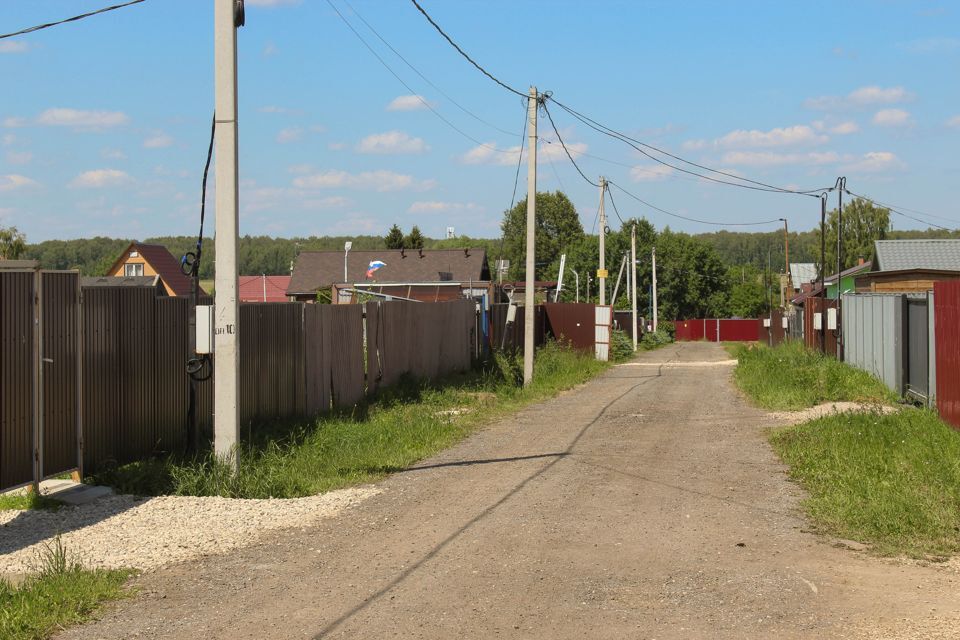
<point>790,376</point>
<point>29,500</point>
<point>62,593</point>
<point>892,480</point>
<point>402,425</point>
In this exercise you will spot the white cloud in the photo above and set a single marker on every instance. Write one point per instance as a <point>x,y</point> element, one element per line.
<point>436,206</point>
<point>158,140</point>
<point>22,157</point>
<point>844,128</point>
<point>7,139</point>
<point>862,97</point>
<point>778,137</point>
<point>292,134</point>
<point>255,199</point>
<point>489,153</point>
<point>408,103</point>
<point>875,162</point>
<point>100,178</point>
<point>392,142</point>
<point>14,122</point>
<point>113,154</point>
<point>12,181</point>
<point>954,121</point>
<point>381,180</point>
<point>694,145</point>
<point>891,118</point>
<point>59,117</point>
<point>650,174</point>
<point>337,146</point>
<point>13,46</point>
<point>770,159</point>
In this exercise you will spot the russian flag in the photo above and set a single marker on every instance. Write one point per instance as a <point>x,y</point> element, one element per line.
<point>373,266</point>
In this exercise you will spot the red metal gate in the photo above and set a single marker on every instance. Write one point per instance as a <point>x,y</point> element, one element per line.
<point>946,301</point>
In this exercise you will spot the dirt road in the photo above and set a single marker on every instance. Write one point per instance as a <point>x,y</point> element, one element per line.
<point>645,504</point>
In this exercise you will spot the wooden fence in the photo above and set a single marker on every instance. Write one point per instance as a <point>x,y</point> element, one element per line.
<point>115,367</point>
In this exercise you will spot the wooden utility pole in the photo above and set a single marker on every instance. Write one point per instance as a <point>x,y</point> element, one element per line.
<point>633,282</point>
<point>653,259</point>
<point>226,419</point>
<point>602,271</point>
<point>529,317</point>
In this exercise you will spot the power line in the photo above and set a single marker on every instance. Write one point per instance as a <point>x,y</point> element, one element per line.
<point>425,78</point>
<point>408,87</point>
<point>567,151</point>
<point>615,210</point>
<point>900,213</point>
<point>73,19</point>
<point>682,217</point>
<point>898,209</point>
<point>513,198</point>
<point>464,53</point>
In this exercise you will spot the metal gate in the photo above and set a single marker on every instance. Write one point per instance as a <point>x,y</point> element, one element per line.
<point>40,417</point>
<point>918,348</point>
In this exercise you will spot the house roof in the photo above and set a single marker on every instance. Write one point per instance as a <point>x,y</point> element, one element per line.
<point>316,270</point>
<point>123,281</point>
<point>802,272</point>
<point>163,263</point>
<point>902,255</point>
<point>264,288</point>
<point>831,279</point>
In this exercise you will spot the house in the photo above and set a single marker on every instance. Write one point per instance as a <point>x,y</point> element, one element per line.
<point>910,266</point>
<point>264,288</point>
<point>140,259</point>
<point>797,281</point>
<point>426,275</point>
<point>847,279</point>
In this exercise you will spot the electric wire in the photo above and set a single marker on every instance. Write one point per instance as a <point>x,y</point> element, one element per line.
<point>408,87</point>
<point>464,53</point>
<point>615,210</point>
<point>73,19</point>
<point>682,217</point>
<point>898,212</point>
<point>423,77</point>
<point>513,198</point>
<point>567,151</point>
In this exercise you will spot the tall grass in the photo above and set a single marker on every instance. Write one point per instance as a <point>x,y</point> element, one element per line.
<point>790,376</point>
<point>61,593</point>
<point>399,426</point>
<point>889,480</point>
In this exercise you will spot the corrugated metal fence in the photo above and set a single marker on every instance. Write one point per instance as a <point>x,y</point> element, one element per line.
<point>132,390</point>
<point>718,330</point>
<point>947,349</point>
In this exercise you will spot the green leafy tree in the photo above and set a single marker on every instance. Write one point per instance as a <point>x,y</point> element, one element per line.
<point>691,278</point>
<point>558,230</point>
<point>415,239</point>
<point>12,243</point>
<point>394,239</point>
<point>749,297</point>
<point>863,224</point>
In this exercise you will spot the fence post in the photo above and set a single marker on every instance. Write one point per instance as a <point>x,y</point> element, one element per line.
<point>37,379</point>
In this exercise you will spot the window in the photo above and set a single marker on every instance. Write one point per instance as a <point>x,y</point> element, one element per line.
<point>133,269</point>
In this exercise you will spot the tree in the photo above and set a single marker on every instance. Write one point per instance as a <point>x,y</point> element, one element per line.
<point>748,295</point>
<point>415,240</point>
<point>691,278</point>
<point>558,230</point>
<point>863,224</point>
<point>12,243</point>
<point>394,239</point>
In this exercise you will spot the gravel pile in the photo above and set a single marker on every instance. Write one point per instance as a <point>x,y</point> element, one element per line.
<point>147,533</point>
<point>828,408</point>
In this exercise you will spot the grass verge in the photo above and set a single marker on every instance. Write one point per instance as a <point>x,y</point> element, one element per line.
<point>23,501</point>
<point>401,425</point>
<point>790,376</point>
<point>62,593</point>
<point>890,480</point>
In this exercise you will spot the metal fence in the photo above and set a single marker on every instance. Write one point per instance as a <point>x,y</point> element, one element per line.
<point>115,364</point>
<point>947,349</point>
<point>719,330</point>
<point>889,335</point>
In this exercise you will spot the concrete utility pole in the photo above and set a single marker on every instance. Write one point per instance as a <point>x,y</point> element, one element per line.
<point>633,282</point>
<point>653,259</point>
<point>616,287</point>
<point>226,419</point>
<point>602,271</point>
<point>577,276</point>
<point>563,263</point>
<point>786,262</point>
<point>528,312</point>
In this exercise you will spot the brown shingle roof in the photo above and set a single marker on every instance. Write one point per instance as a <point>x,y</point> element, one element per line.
<point>316,270</point>
<point>163,262</point>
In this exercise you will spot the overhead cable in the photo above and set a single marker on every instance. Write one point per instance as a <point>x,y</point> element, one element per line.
<point>73,19</point>
<point>464,53</point>
<point>900,213</point>
<point>682,217</point>
<point>567,151</point>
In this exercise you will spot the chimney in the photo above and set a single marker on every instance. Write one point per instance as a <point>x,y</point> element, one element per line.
<point>860,261</point>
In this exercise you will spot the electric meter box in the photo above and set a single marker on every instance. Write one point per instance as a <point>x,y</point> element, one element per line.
<point>832,319</point>
<point>785,322</point>
<point>818,322</point>
<point>204,329</point>
<point>766,322</point>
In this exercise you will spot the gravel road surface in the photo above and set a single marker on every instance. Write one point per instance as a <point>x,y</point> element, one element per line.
<point>644,504</point>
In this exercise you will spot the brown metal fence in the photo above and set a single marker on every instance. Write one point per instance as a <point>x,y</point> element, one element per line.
<point>824,340</point>
<point>118,361</point>
<point>509,337</point>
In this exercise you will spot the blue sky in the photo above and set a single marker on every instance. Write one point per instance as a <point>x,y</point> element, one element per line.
<point>104,122</point>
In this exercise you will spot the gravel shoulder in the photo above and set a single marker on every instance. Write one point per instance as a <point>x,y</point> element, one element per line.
<point>644,504</point>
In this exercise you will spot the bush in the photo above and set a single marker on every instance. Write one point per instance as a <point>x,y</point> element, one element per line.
<point>621,346</point>
<point>654,339</point>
